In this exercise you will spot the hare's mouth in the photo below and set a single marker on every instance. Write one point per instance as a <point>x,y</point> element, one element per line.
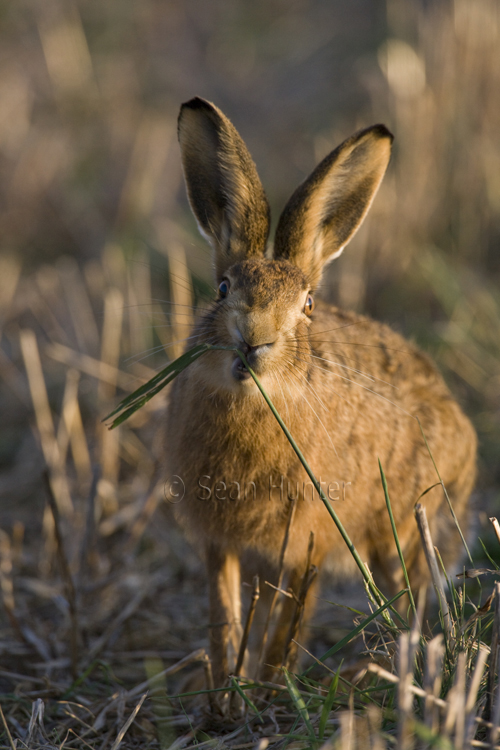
<point>239,371</point>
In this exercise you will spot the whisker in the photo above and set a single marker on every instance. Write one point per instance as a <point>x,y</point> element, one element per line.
<point>155,349</point>
<point>280,375</point>
<point>160,301</point>
<point>341,353</point>
<point>338,328</point>
<point>353,369</point>
<point>315,414</point>
<point>155,326</point>
<point>274,374</point>
<point>161,316</point>
<point>310,385</point>
<point>164,270</point>
<point>282,378</point>
<point>146,353</point>
<point>364,388</point>
<point>168,315</point>
<point>357,343</point>
<point>293,328</point>
<point>326,369</point>
<point>178,304</point>
<point>155,266</point>
<point>181,281</point>
<point>325,385</point>
<point>200,252</point>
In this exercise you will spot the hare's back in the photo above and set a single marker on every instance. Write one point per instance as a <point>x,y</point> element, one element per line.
<point>383,390</point>
<point>374,363</point>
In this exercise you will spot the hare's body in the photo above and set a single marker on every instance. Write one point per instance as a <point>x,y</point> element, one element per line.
<point>348,389</point>
<point>239,468</point>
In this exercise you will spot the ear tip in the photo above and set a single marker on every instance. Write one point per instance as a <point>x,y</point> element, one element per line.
<point>382,131</point>
<point>196,103</point>
<point>193,105</point>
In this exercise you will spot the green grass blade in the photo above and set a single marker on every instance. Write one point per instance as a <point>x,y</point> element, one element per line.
<point>144,393</point>
<point>396,539</point>
<point>327,705</point>
<point>451,587</point>
<point>492,561</point>
<point>445,492</point>
<point>245,698</point>
<point>299,704</point>
<point>376,593</point>
<point>357,630</point>
<point>290,736</point>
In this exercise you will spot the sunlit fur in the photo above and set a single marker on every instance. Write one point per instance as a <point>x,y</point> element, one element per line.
<point>349,390</point>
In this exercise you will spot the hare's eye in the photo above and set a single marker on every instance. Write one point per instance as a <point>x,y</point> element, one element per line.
<point>223,289</point>
<point>309,306</point>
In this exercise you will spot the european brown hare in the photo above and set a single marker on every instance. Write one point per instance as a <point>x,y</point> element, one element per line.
<point>346,387</point>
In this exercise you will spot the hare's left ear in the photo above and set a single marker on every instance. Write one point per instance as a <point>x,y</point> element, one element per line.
<point>327,209</point>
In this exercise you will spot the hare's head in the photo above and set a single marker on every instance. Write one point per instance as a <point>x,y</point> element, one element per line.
<point>265,301</point>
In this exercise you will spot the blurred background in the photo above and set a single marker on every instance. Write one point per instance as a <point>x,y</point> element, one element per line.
<point>101,262</point>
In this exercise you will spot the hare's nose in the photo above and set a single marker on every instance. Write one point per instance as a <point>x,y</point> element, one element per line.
<point>247,349</point>
<point>252,353</point>
<point>254,348</point>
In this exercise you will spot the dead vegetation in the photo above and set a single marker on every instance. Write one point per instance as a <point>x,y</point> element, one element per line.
<point>103,601</point>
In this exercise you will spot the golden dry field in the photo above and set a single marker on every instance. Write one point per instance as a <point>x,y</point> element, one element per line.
<point>103,620</point>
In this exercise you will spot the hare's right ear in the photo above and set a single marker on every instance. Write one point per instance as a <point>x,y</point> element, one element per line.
<point>327,209</point>
<point>225,193</point>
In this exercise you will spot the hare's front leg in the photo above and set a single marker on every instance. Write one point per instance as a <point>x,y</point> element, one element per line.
<point>224,586</point>
<point>280,650</point>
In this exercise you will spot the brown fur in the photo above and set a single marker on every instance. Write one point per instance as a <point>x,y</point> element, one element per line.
<point>347,387</point>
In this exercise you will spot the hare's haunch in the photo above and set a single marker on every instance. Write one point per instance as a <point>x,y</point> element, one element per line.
<point>346,386</point>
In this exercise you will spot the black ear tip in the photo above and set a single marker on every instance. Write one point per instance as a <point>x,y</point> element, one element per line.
<point>382,131</point>
<point>197,103</point>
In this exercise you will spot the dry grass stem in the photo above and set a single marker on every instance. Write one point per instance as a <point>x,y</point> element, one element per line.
<point>310,574</point>
<point>209,681</point>
<point>432,681</point>
<point>494,657</point>
<point>432,563</point>
<point>493,695</point>
<point>274,599</point>
<point>123,731</point>
<point>102,371</point>
<point>44,420</point>
<point>248,625</point>
<point>74,430</point>
<point>180,292</point>
<point>472,695</point>
<point>7,731</point>
<point>66,574</point>
<point>496,527</point>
